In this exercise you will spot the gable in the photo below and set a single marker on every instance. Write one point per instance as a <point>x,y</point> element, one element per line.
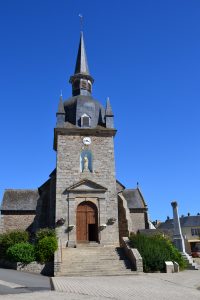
<point>86,185</point>
<point>134,199</point>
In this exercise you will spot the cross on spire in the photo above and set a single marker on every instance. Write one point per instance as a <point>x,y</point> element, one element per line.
<point>81,21</point>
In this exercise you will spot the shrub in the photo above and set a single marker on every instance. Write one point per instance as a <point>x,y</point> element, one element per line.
<point>11,238</point>
<point>155,250</point>
<point>21,252</point>
<point>45,249</point>
<point>44,232</point>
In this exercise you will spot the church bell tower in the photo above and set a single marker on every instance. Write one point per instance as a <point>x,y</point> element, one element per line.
<point>86,196</point>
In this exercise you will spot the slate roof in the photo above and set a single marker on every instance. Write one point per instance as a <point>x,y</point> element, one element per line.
<point>81,60</point>
<point>189,221</point>
<point>60,106</point>
<point>78,105</point>
<point>19,200</point>
<point>134,198</point>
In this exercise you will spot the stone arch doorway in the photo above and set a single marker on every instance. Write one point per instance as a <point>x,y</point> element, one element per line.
<point>87,222</point>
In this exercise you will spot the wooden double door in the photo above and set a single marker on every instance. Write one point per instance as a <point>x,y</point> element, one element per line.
<point>87,222</point>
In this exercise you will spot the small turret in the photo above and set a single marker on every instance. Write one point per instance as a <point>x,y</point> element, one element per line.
<point>60,115</point>
<point>109,115</point>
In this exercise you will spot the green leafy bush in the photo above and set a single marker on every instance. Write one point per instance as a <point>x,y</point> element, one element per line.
<point>45,248</point>
<point>11,238</point>
<point>44,232</point>
<point>21,252</point>
<point>155,250</point>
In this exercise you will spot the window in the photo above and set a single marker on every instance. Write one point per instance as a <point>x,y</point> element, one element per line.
<point>85,120</point>
<point>195,231</point>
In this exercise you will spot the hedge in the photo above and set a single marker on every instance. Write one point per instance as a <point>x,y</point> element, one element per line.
<point>45,249</point>
<point>11,238</point>
<point>155,250</point>
<point>21,252</point>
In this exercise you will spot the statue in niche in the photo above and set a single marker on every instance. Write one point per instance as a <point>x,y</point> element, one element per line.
<point>85,163</point>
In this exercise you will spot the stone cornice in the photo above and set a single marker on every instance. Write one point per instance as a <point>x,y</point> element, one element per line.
<point>82,131</point>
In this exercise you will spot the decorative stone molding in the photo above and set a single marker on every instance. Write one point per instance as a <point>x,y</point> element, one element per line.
<point>60,222</point>
<point>111,221</point>
<point>71,227</point>
<point>102,226</point>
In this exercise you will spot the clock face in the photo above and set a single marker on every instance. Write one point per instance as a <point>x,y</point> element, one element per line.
<point>86,140</point>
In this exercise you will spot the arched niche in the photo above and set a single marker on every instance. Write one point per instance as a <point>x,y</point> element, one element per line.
<point>86,161</point>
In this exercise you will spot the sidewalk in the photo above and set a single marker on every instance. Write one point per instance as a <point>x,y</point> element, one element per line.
<point>159,286</point>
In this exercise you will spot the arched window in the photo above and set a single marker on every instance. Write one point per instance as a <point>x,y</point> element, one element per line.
<point>85,120</point>
<point>86,161</point>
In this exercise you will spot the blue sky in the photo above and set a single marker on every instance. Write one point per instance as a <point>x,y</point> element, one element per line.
<point>143,54</point>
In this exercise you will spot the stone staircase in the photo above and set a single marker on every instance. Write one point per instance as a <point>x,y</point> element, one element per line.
<point>191,265</point>
<point>94,261</point>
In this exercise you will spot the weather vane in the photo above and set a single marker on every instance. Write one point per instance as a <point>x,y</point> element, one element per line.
<point>81,21</point>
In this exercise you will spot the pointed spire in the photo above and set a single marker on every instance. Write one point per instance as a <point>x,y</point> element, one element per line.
<point>108,108</point>
<point>109,117</point>
<point>61,106</point>
<point>81,80</point>
<point>60,115</point>
<point>81,60</point>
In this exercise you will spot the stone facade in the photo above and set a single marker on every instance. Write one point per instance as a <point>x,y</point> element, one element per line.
<point>68,173</point>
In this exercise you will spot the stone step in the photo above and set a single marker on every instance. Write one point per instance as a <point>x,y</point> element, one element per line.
<point>100,256</point>
<point>106,262</point>
<point>89,249</point>
<point>70,265</point>
<point>94,261</point>
<point>99,262</point>
<point>117,270</point>
<point>191,265</point>
<point>91,259</point>
<point>89,245</point>
<point>87,252</point>
<point>91,274</point>
<point>94,267</point>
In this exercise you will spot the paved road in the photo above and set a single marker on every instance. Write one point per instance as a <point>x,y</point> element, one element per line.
<point>179,286</point>
<point>14,282</point>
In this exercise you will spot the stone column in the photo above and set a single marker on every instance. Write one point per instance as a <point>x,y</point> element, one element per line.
<point>177,236</point>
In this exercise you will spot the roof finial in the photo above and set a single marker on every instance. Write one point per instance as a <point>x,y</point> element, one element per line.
<point>81,21</point>
<point>61,93</point>
<point>137,185</point>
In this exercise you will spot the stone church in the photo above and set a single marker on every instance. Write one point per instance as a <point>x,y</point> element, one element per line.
<point>82,198</point>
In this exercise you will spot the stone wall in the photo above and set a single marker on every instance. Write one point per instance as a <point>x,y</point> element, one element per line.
<point>133,255</point>
<point>68,173</point>
<point>17,221</point>
<point>138,221</point>
<point>123,224</point>
<point>34,267</point>
<point>1,223</point>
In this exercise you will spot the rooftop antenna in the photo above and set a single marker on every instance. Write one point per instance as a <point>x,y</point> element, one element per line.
<point>81,21</point>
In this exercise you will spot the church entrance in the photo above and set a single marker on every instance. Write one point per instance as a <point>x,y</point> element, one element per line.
<point>87,222</point>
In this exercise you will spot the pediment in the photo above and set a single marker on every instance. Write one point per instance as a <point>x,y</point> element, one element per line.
<point>86,185</point>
